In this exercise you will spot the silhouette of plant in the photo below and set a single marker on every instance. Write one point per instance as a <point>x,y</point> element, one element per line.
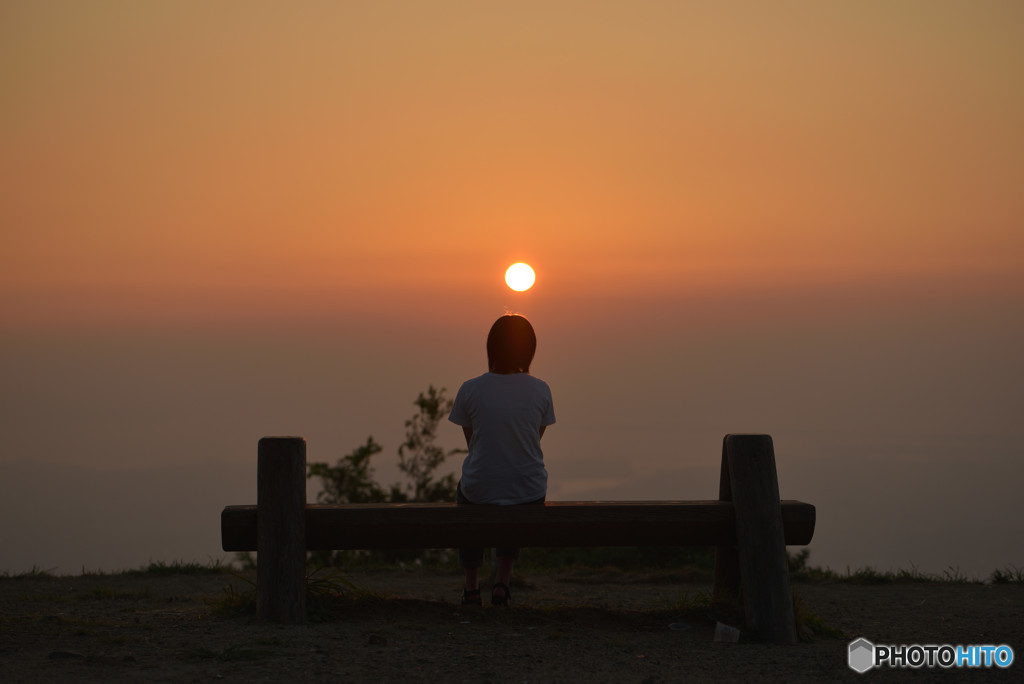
<point>419,456</point>
<point>350,480</point>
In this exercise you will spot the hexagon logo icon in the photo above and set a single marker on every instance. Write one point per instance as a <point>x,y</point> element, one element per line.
<point>862,655</point>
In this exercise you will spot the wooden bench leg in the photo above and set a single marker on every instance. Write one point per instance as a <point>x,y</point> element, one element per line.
<point>281,530</point>
<point>753,486</point>
<point>727,558</point>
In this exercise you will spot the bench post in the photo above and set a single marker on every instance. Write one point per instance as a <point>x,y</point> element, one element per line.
<point>281,530</point>
<point>753,486</point>
<point>727,557</point>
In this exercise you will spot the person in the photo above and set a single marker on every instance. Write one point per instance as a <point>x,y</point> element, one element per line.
<point>503,414</point>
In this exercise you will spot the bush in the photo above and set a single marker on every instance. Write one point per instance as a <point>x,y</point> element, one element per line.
<point>350,480</point>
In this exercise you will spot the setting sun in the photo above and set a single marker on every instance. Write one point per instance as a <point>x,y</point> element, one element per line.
<point>520,277</point>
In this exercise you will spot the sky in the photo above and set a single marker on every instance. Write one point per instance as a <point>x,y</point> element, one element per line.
<point>226,220</point>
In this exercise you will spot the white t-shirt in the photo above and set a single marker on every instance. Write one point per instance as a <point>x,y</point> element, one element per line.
<point>505,464</point>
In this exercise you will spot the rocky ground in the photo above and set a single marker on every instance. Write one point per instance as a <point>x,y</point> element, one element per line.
<point>406,626</point>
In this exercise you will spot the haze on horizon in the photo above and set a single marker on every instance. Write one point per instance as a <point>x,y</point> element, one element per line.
<point>231,220</point>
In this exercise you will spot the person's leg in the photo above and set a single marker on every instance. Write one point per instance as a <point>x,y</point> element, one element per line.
<point>506,559</point>
<point>471,560</point>
<point>503,574</point>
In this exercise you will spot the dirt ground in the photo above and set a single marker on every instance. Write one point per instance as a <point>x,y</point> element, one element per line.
<point>594,626</point>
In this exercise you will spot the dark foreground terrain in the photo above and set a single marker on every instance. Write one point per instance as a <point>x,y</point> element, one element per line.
<point>407,626</point>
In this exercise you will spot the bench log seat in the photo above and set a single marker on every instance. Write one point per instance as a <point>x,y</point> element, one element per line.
<point>555,524</point>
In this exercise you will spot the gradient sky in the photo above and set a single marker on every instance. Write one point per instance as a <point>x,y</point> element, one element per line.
<point>224,220</point>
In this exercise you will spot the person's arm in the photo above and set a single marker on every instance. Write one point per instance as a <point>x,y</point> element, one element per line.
<point>468,431</point>
<point>542,428</point>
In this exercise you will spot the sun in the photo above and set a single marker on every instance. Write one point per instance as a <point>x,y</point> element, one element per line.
<point>520,277</point>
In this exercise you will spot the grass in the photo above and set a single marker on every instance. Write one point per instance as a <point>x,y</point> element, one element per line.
<point>328,591</point>
<point>810,625</point>
<point>234,602</point>
<point>696,603</point>
<point>213,567</point>
<point>1011,575</point>
<point>801,571</point>
<point>35,573</point>
<point>673,565</point>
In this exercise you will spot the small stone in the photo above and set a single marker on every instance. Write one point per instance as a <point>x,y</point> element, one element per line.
<point>65,655</point>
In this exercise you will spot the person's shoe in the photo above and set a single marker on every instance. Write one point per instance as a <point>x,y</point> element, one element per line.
<point>471,597</point>
<point>503,598</point>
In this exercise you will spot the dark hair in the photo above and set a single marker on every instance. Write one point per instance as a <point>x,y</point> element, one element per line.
<point>511,345</point>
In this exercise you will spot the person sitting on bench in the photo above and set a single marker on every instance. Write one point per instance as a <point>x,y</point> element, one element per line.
<point>503,414</point>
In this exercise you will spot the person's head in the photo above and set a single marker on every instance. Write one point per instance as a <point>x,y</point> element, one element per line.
<point>511,345</point>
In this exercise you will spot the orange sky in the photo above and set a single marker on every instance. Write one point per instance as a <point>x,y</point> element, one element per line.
<point>225,220</point>
<point>168,158</point>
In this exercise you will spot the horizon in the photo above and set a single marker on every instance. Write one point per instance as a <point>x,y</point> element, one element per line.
<point>222,223</point>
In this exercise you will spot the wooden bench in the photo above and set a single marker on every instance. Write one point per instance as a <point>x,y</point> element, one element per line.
<point>748,523</point>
